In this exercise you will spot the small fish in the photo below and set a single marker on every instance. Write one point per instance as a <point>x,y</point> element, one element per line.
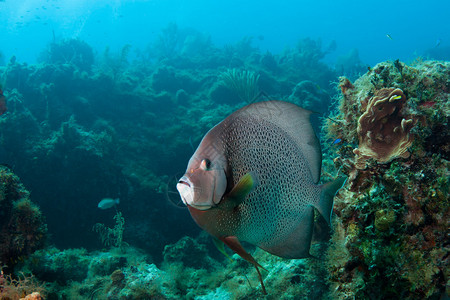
<point>108,203</point>
<point>2,103</point>
<point>438,43</point>
<point>389,37</point>
<point>398,97</point>
<point>254,178</point>
<point>337,141</point>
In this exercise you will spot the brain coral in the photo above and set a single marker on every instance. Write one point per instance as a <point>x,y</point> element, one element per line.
<point>383,130</point>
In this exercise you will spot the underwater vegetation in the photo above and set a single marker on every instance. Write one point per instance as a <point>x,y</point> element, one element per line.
<point>3,108</point>
<point>111,236</point>
<point>391,229</point>
<point>244,83</point>
<point>22,226</point>
<point>77,131</point>
<point>186,272</point>
<point>79,128</point>
<point>20,287</point>
<point>22,232</point>
<point>350,65</point>
<point>69,51</point>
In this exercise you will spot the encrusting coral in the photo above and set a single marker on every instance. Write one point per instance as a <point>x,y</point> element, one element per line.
<point>20,287</point>
<point>383,129</point>
<point>22,227</point>
<point>32,296</point>
<point>390,237</point>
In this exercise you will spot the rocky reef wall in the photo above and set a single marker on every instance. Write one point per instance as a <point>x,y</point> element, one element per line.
<point>392,217</point>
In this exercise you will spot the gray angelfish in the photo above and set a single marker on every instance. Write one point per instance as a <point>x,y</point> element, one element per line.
<point>254,178</point>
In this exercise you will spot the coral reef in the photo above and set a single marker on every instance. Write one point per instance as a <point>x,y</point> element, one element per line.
<point>69,51</point>
<point>350,65</point>
<point>130,274</point>
<point>78,274</point>
<point>309,95</point>
<point>22,227</point>
<point>390,238</point>
<point>80,128</point>
<point>21,287</point>
<point>189,252</point>
<point>383,130</point>
<point>32,296</point>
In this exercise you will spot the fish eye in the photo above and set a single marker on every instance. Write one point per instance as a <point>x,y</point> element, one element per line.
<point>205,165</point>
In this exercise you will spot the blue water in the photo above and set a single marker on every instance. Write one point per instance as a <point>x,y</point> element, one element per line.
<point>27,26</point>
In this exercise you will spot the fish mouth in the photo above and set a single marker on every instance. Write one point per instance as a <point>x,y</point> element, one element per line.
<point>184,187</point>
<point>200,207</point>
<point>184,182</point>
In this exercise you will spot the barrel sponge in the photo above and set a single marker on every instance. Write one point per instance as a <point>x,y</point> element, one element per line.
<point>383,129</point>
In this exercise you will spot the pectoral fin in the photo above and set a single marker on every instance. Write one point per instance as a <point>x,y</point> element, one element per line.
<point>233,243</point>
<point>237,195</point>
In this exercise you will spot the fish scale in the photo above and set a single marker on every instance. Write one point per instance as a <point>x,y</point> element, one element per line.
<point>276,198</point>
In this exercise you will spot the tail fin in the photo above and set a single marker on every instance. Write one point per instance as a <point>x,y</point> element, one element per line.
<point>329,190</point>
